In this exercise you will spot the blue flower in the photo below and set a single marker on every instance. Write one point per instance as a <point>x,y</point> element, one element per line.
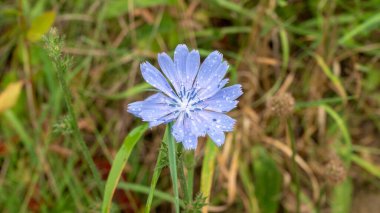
<point>192,95</point>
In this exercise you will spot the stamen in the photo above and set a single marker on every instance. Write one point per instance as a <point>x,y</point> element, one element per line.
<point>187,101</point>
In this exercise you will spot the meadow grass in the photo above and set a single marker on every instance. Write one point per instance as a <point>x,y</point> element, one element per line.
<point>68,145</point>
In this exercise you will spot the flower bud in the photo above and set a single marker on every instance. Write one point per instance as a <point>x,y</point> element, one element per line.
<point>281,105</point>
<point>335,172</point>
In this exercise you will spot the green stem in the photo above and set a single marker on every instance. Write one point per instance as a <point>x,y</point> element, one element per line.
<point>173,166</point>
<point>190,172</point>
<point>294,165</point>
<point>156,174</point>
<point>182,177</point>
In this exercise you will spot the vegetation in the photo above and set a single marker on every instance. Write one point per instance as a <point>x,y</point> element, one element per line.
<point>308,123</point>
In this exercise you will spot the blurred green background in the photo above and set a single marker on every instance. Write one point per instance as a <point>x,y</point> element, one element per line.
<point>325,53</point>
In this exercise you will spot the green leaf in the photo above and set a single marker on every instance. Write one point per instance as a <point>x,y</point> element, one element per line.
<point>40,26</point>
<point>118,164</point>
<point>342,196</point>
<point>267,181</point>
<point>208,168</point>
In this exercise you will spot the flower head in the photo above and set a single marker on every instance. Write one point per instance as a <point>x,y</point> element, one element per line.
<point>335,172</point>
<point>191,94</point>
<point>281,105</point>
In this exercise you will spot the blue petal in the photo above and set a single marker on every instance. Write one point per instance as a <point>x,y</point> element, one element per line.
<point>216,120</point>
<point>220,105</point>
<point>182,132</point>
<point>192,66</point>
<point>160,98</point>
<point>155,112</point>
<point>229,93</point>
<point>217,136</point>
<point>219,73</point>
<point>217,124</point>
<point>178,129</point>
<point>207,68</point>
<point>207,93</point>
<point>224,100</point>
<point>156,79</point>
<point>169,69</point>
<point>214,79</point>
<point>157,108</point>
<point>164,120</point>
<point>180,56</point>
<point>190,141</point>
<point>137,107</point>
<point>196,126</point>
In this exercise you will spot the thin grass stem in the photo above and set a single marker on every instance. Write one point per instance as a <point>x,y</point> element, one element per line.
<point>54,48</point>
<point>294,164</point>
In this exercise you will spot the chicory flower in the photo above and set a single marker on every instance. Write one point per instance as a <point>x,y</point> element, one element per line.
<point>191,95</point>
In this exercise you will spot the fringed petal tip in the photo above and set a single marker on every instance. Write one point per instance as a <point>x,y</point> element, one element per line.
<point>240,91</point>
<point>218,53</point>
<point>190,142</point>
<point>134,108</point>
<point>181,46</point>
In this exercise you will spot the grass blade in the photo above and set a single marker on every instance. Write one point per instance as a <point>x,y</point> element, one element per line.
<point>119,163</point>
<point>208,167</point>
<point>146,190</point>
<point>341,124</point>
<point>335,100</point>
<point>369,167</point>
<point>364,27</point>
<point>285,49</point>
<point>173,166</point>
<point>333,78</point>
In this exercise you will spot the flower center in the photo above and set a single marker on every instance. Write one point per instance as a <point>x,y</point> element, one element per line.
<point>184,104</point>
<point>188,100</point>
